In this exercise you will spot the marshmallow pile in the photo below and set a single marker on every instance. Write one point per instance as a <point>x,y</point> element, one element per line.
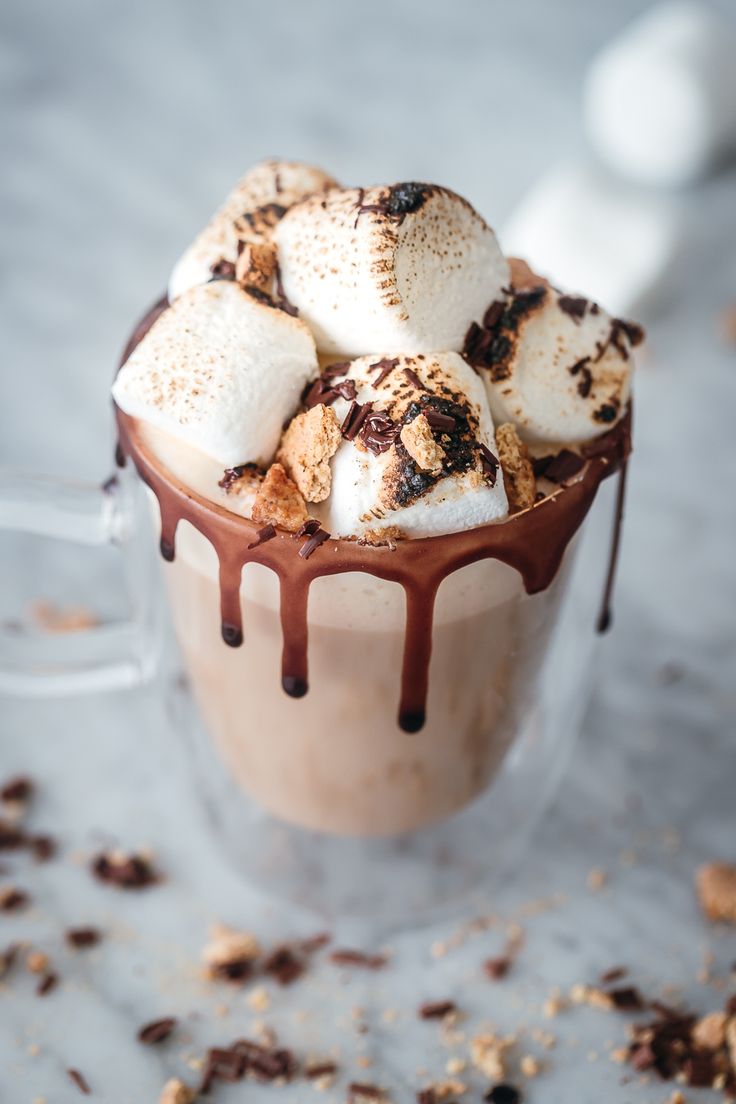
<point>345,354</point>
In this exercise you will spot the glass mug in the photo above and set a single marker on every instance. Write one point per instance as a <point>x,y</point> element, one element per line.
<point>323,799</point>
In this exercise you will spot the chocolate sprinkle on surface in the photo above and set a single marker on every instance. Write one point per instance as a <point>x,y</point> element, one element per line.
<point>558,468</point>
<point>378,432</point>
<point>125,871</point>
<point>267,533</point>
<point>356,415</point>
<point>627,999</point>
<point>320,1069</point>
<point>157,1031</point>
<point>348,957</point>
<point>497,968</point>
<point>489,463</point>
<point>80,1081</point>
<point>503,1094</point>
<point>614,974</point>
<point>46,984</point>
<point>363,1089</point>
<point>12,899</point>
<point>17,789</point>
<point>283,965</point>
<point>444,422</point>
<point>83,937</point>
<point>436,1010</point>
<point>313,543</point>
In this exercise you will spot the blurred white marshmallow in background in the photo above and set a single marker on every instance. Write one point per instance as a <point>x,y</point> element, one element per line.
<point>660,100</point>
<point>585,230</point>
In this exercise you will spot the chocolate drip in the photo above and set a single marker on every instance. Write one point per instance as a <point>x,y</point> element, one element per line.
<point>605,617</point>
<point>294,601</point>
<point>420,599</point>
<point>533,542</point>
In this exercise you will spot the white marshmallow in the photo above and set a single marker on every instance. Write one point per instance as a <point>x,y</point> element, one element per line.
<point>660,100</point>
<point>365,485</point>
<point>249,214</point>
<point>221,371</point>
<point>401,269</point>
<point>564,378</point>
<point>587,230</point>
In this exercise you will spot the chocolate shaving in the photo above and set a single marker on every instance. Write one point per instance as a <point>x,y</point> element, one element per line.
<point>558,468</point>
<point>323,390</point>
<point>573,305</point>
<point>267,533</point>
<point>627,999</point>
<point>378,432</point>
<point>347,957</point>
<point>489,464</point>
<point>42,847</point>
<point>283,965</point>
<point>127,872</point>
<point>79,1080</point>
<point>503,1094</point>
<point>353,423</point>
<point>444,422</point>
<point>315,942</point>
<point>436,1010</point>
<point>13,899</point>
<point>384,367</point>
<point>614,974</point>
<point>17,789</point>
<point>233,1063</point>
<point>11,837</point>
<point>339,368</point>
<point>320,1069</point>
<point>46,984</point>
<point>313,543</point>
<point>358,1090</point>
<point>414,379</point>
<point>497,968</point>
<point>83,937</point>
<point>157,1031</point>
<point>307,528</point>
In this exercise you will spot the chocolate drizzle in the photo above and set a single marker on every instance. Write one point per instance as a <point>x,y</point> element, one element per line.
<point>533,542</point>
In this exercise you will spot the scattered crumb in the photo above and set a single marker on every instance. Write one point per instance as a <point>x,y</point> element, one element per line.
<point>310,440</point>
<point>553,1005</point>
<point>518,474</point>
<point>230,954</point>
<point>716,887</point>
<point>37,962</point>
<point>709,1033</point>
<point>596,880</point>
<point>488,1054</point>
<point>455,1065</point>
<point>259,999</point>
<point>530,1066</point>
<point>278,501</point>
<point>176,1092</point>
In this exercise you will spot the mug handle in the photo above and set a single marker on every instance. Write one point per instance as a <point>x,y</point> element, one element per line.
<point>108,656</point>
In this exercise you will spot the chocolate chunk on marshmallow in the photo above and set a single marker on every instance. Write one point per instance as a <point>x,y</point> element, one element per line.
<point>404,268</point>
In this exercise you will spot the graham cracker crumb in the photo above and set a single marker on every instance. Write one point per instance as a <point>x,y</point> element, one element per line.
<point>596,879</point>
<point>256,266</point>
<point>229,953</point>
<point>443,1089</point>
<point>309,442</point>
<point>259,999</point>
<point>418,440</point>
<point>379,537</point>
<point>518,474</point>
<point>553,1005</point>
<point>37,962</point>
<point>455,1065</point>
<point>530,1066</point>
<point>709,1032</point>
<point>589,994</point>
<point>176,1092</point>
<point>488,1054</point>
<point>716,887</point>
<point>279,501</point>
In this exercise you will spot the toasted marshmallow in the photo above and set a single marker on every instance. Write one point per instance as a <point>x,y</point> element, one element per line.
<point>558,367</point>
<point>401,269</point>
<point>249,214</point>
<point>220,370</point>
<point>411,488</point>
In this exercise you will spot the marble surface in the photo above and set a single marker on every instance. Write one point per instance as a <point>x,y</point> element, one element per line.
<point>121,125</point>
